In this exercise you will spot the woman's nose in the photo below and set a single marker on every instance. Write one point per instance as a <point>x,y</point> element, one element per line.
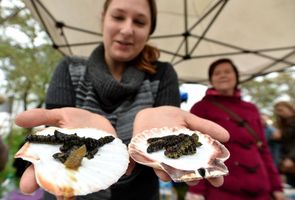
<point>127,28</point>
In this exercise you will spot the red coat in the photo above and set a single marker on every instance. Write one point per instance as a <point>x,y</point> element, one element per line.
<point>252,174</point>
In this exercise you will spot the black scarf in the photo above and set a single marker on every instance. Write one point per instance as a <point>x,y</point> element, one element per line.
<point>110,92</point>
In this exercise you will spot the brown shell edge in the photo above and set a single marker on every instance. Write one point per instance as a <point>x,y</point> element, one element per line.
<point>178,175</point>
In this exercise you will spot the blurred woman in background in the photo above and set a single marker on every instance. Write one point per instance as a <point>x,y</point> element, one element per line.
<point>285,116</point>
<point>252,173</point>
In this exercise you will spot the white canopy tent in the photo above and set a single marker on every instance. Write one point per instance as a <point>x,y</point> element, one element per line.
<point>258,35</point>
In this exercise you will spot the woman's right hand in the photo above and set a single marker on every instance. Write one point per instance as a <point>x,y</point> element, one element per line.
<point>61,117</point>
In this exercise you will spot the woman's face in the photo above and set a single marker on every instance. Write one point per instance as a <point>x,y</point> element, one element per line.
<point>224,79</point>
<point>126,26</point>
<point>283,111</point>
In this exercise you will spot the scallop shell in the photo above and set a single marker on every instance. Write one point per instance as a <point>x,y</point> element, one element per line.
<point>107,166</point>
<point>207,162</point>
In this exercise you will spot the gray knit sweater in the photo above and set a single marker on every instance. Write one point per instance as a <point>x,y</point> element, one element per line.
<point>88,84</point>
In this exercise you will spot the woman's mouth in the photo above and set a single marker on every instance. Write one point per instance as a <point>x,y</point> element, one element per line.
<point>124,43</point>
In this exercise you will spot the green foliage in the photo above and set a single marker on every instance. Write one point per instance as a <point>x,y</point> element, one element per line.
<point>28,71</point>
<point>265,91</point>
<point>27,66</point>
<point>287,81</point>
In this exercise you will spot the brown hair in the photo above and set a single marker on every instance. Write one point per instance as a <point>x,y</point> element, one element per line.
<point>144,61</point>
<point>282,122</point>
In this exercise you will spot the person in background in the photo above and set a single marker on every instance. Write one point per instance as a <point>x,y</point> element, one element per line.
<point>121,77</point>
<point>252,173</point>
<point>3,154</point>
<point>272,137</point>
<point>285,120</point>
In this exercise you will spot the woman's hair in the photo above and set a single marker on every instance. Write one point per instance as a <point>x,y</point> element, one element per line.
<point>220,61</point>
<point>282,122</point>
<point>144,61</point>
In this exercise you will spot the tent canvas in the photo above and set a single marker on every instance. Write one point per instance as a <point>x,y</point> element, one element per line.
<point>258,35</point>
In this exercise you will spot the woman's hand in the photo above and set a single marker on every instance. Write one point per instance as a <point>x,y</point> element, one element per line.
<point>169,116</point>
<point>62,117</point>
<point>287,166</point>
<point>277,135</point>
<point>278,195</point>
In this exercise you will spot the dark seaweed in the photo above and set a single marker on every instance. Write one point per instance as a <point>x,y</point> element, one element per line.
<point>184,147</point>
<point>174,145</point>
<point>69,143</point>
<point>43,139</point>
<point>156,145</point>
<point>166,138</point>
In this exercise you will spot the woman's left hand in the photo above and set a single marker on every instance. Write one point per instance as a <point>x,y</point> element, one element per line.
<point>169,116</point>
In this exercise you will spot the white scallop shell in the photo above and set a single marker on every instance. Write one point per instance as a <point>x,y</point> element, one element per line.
<point>210,156</point>
<point>107,166</point>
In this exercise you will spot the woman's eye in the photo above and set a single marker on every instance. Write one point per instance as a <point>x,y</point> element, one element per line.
<point>119,18</point>
<point>139,22</point>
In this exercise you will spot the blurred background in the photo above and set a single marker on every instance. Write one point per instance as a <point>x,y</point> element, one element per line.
<point>28,57</point>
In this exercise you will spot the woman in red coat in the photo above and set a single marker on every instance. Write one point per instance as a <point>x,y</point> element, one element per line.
<point>252,174</point>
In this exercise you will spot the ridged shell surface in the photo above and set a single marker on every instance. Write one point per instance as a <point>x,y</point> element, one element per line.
<point>207,162</point>
<point>107,166</point>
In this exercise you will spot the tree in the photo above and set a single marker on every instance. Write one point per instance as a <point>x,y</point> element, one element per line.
<point>27,66</point>
<point>265,91</point>
<point>287,81</point>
